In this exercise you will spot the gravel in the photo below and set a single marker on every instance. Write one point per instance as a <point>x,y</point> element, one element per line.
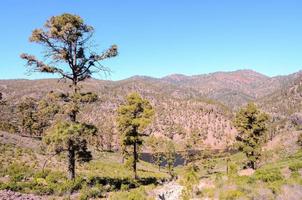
<point>170,191</point>
<point>10,195</point>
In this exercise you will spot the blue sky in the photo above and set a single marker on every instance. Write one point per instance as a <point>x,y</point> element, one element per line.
<point>161,37</point>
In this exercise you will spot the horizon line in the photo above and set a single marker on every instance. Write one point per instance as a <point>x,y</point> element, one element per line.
<point>161,77</point>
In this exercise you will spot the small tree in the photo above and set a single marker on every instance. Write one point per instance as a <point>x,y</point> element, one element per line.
<point>36,116</point>
<point>251,125</point>
<point>155,145</point>
<point>47,110</point>
<point>133,118</point>
<point>191,146</point>
<point>208,159</point>
<point>66,39</point>
<point>170,156</point>
<point>299,141</point>
<point>27,115</point>
<point>2,102</point>
<point>190,179</point>
<point>7,117</point>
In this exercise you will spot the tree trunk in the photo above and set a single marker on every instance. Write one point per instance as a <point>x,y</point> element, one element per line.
<point>134,160</point>
<point>71,162</point>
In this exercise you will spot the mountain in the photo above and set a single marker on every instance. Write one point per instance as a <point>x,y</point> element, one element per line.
<point>203,104</point>
<point>231,88</point>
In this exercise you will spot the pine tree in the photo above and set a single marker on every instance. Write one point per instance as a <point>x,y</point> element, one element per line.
<point>170,156</point>
<point>192,143</point>
<point>2,102</point>
<point>156,147</point>
<point>66,40</point>
<point>299,141</point>
<point>27,116</point>
<point>251,125</point>
<point>133,118</point>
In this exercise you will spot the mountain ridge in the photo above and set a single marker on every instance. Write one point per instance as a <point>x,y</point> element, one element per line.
<point>204,104</point>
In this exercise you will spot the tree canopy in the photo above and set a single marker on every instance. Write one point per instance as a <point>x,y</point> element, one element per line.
<point>69,54</point>
<point>133,118</point>
<point>66,39</point>
<point>251,124</point>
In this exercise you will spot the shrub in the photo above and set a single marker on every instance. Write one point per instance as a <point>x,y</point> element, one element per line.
<point>233,170</point>
<point>190,179</point>
<point>69,186</point>
<point>268,175</point>
<point>275,186</point>
<point>13,186</point>
<point>295,166</point>
<point>94,192</point>
<point>300,139</point>
<point>135,194</point>
<point>207,192</point>
<point>54,177</point>
<point>18,171</point>
<point>231,195</point>
<point>124,187</point>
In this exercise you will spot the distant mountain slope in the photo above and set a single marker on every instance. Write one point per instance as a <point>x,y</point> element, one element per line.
<point>287,99</point>
<point>231,88</point>
<point>184,104</point>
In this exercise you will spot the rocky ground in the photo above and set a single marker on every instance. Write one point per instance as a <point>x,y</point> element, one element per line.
<point>17,140</point>
<point>10,195</point>
<point>170,191</point>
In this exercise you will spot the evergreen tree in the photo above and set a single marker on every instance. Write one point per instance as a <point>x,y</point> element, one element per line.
<point>208,159</point>
<point>34,116</point>
<point>8,120</point>
<point>66,39</point>
<point>192,144</point>
<point>299,141</point>
<point>170,156</point>
<point>27,116</point>
<point>251,125</point>
<point>133,118</point>
<point>47,109</point>
<point>2,102</point>
<point>156,147</point>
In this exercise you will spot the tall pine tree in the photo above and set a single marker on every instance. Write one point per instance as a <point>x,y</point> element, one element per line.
<point>133,118</point>
<point>251,125</point>
<point>67,44</point>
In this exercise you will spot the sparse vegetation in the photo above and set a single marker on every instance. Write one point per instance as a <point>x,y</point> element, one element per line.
<point>143,138</point>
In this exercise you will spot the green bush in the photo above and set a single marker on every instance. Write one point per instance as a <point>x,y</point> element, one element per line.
<point>268,175</point>
<point>124,187</point>
<point>69,186</point>
<point>94,192</point>
<point>231,195</point>
<point>135,194</point>
<point>13,186</point>
<point>18,171</point>
<point>233,170</point>
<point>55,177</point>
<point>275,186</point>
<point>295,166</point>
<point>300,139</point>
<point>207,192</point>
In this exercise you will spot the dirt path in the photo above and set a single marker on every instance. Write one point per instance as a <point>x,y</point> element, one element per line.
<point>9,195</point>
<point>169,191</point>
<point>25,142</point>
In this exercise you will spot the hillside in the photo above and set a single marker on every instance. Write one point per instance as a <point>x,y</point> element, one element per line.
<point>184,104</point>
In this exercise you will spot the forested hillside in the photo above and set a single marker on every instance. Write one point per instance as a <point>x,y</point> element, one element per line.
<point>202,104</point>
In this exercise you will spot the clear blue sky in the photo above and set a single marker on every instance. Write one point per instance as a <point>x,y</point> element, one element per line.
<point>161,37</point>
